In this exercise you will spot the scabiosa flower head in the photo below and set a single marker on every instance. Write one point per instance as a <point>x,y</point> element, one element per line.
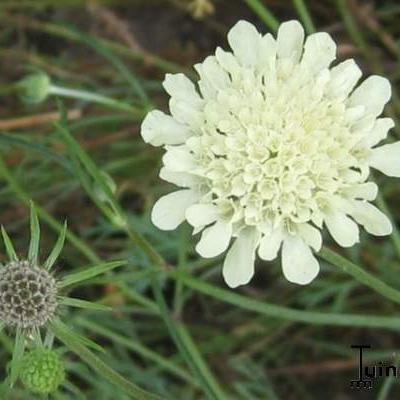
<point>272,145</point>
<point>42,371</point>
<point>28,295</point>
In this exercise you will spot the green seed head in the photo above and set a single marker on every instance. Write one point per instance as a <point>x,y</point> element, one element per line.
<point>42,371</point>
<point>28,295</point>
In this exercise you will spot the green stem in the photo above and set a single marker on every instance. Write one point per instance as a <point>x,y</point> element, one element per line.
<point>182,262</point>
<point>305,16</point>
<point>395,236</point>
<point>265,15</point>
<point>360,274</point>
<point>285,313</point>
<point>101,367</point>
<point>135,346</point>
<point>92,97</point>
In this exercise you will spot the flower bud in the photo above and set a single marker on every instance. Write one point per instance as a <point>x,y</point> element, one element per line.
<point>35,87</point>
<point>42,371</point>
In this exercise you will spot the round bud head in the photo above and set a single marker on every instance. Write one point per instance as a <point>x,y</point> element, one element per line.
<point>35,87</point>
<point>42,371</point>
<point>28,295</point>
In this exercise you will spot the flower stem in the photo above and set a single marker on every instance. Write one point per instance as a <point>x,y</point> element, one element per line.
<point>305,17</point>
<point>101,367</point>
<point>395,236</point>
<point>360,274</point>
<point>262,11</point>
<point>89,96</point>
<point>286,313</point>
<point>136,347</point>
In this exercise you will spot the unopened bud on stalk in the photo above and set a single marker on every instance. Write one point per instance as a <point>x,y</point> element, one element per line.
<point>35,87</point>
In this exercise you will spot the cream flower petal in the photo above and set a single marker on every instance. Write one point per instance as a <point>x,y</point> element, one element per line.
<point>169,211</point>
<point>319,51</point>
<point>212,77</point>
<point>160,129</point>
<point>267,53</point>
<point>342,228</point>
<point>379,131</point>
<point>185,112</point>
<point>215,239</point>
<point>238,266</point>
<point>244,41</point>
<point>227,61</point>
<point>364,191</point>
<point>386,159</point>
<point>201,214</point>
<point>310,235</point>
<point>182,179</point>
<point>179,159</point>
<point>180,87</point>
<point>290,40</point>
<point>270,245</point>
<point>371,218</point>
<point>344,77</point>
<point>373,93</point>
<point>298,263</point>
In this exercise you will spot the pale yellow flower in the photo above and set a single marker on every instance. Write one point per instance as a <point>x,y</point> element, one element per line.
<point>271,145</point>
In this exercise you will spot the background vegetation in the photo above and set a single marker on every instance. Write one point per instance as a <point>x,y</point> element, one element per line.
<point>176,329</point>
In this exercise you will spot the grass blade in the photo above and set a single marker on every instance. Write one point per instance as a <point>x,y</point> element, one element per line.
<point>265,15</point>
<point>286,313</point>
<point>78,338</point>
<point>57,248</point>
<point>88,273</point>
<point>100,366</point>
<point>138,348</point>
<point>69,301</point>
<point>18,354</point>
<point>12,255</point>
<point>305,16</point>
<point>33,254</point>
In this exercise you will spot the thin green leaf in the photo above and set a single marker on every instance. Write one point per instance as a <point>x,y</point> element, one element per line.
<point>360,274</point>
<point>198,360</point>
<point>264,13</point>
<point>88,273</point>
<point>33,254</point>
<point>100,366</point>
<point>304,15</point>
<point>64,329</point>
<point>18,354</point>
<point>286,313</point>
<point>31,146</point>
<point>138,348</point>
<point>92,169</point>
<point>12,255</point>
<point>69,301</point>
<point>125,72</point>
<point>57,248</point>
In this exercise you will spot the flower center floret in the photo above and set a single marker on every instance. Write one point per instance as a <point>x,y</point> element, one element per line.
<point>28,295</point>
<point>276,147</point>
